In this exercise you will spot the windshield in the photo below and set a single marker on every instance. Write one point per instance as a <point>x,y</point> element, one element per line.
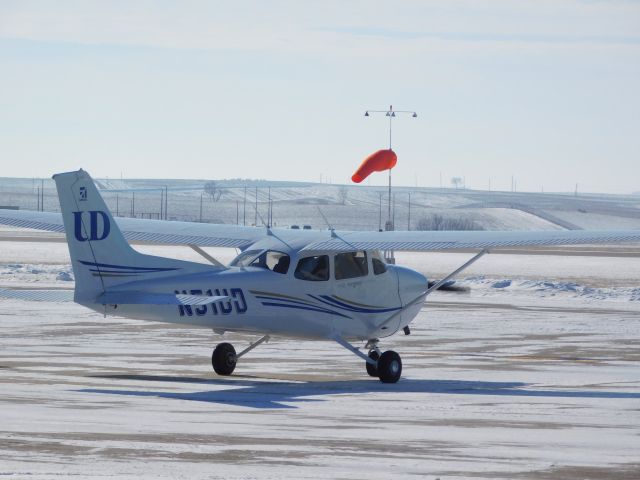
<point>379,265</point>
<point>244,258</point>
<point>273,260</point>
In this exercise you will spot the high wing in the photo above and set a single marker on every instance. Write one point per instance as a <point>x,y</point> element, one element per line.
<point>149,231</point>
<point>110,298</point>
<point>217,235</point>
<point>43,295</point>
<point>449,240</point>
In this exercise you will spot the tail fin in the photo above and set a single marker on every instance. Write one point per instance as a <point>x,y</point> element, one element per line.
<point>100,255</point>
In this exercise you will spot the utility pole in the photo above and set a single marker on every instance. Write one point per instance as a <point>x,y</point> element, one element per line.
<point>380,212</point>
<point>393,217</point>
<point>244,207</point>
<point>255,222</point>
<point>409,215</point>
<point>391,114</point>
<point>269,207</point>
<point>201,196</point>
<point>166,202</point>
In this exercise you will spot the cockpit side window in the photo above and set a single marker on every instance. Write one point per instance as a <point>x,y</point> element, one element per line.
<point>282,264</point>
<point>273,260</point>
<point>351,265</point>
<point>313,269</point>
<point>378,263</point>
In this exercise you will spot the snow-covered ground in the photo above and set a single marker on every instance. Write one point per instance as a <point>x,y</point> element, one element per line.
<point>355,207</point>
<point>532,373</point>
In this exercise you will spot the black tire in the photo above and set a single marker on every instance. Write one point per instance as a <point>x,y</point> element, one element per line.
<point>389,367</point>
<point>224,359</point>
<point>372,370</point>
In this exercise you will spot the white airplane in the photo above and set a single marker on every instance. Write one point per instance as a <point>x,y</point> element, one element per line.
<point>316,285</point>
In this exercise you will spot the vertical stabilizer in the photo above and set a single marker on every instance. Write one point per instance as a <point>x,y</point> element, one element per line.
<point>100,255</point>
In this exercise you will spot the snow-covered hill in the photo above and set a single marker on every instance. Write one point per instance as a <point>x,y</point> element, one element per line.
<point>345,206</point>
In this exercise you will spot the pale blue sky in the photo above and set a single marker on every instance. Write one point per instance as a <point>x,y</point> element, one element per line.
<point>544,90</point>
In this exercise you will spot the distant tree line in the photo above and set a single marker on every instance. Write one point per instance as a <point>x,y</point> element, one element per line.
<point>440,222</point>
<point>214,191</point>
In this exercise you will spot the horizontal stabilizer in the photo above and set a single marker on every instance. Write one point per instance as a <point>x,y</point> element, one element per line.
<point>147,298</point>
<point>38,295</point>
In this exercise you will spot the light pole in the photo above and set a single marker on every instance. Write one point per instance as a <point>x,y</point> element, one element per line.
<point>244,207</point>
<point>166,202</point>
<point>391,113</point>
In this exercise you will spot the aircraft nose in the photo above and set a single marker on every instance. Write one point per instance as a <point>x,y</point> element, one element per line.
<point>411,284</point>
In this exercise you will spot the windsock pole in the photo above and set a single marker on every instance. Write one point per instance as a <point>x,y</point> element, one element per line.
<point>391,113</point>
<point>390,225</point>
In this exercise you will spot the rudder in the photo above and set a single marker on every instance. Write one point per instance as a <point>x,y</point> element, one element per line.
<point>101,256</point>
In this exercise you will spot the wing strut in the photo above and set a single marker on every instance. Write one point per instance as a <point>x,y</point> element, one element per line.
<point>200,251</point>
<point>457,271</point>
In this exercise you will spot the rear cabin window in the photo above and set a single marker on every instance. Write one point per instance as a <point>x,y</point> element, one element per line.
<point>313,269</point>
<point>351,265</point>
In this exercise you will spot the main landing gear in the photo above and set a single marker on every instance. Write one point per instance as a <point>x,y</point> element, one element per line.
<point>224,357</point>
<point>387,366</point>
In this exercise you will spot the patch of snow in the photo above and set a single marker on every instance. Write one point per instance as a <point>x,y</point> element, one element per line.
<point>501,284</point>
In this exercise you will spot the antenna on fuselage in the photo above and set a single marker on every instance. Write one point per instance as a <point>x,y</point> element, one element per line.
<point>264,224</point>
<point>333,230</point>
<point>269,231</point>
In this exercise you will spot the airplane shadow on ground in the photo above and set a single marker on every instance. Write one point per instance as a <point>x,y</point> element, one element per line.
<point>264,394</point>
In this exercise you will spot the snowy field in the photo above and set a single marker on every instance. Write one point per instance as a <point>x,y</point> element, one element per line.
<point>353,207</point>
<point>534,373</point>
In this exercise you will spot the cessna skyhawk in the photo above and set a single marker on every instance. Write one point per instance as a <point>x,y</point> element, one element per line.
<point>315,285</point>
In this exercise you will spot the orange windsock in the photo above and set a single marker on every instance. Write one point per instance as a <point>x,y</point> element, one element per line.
<point>376,162</point>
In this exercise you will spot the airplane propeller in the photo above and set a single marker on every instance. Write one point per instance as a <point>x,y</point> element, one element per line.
<point>449,286</point>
